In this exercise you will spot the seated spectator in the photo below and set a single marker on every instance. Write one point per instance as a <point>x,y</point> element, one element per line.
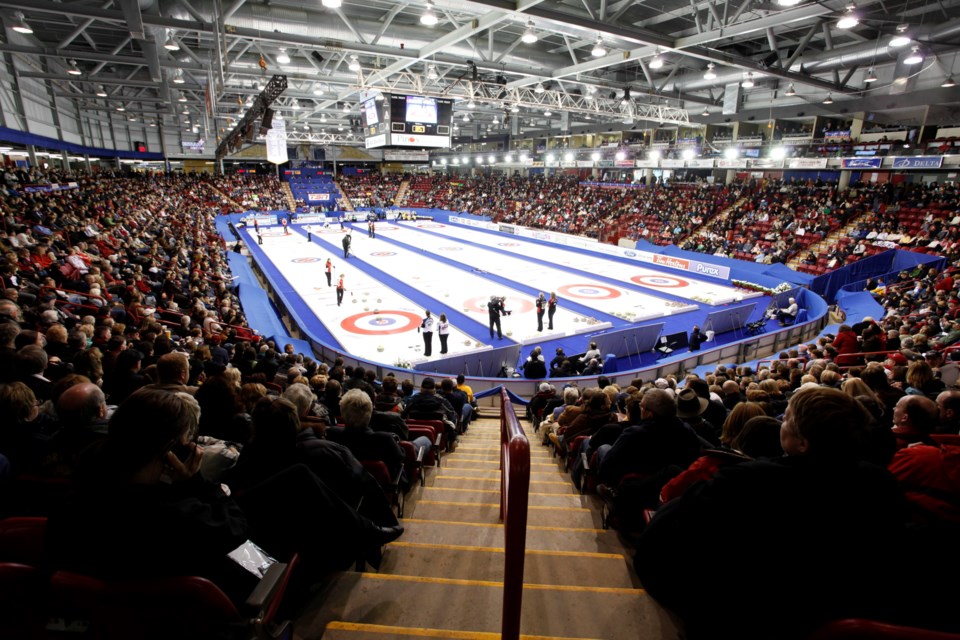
<point>788,314</point>
<point>429,405</point>
<point>783,503</point>
<point>141,508</point>
<point>356,408</point>
<point>535,367</point>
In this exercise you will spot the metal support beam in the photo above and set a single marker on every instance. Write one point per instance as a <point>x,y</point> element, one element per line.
<point>131,13</point>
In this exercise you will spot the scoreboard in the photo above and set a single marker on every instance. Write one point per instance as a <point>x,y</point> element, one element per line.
<point>407,121</point>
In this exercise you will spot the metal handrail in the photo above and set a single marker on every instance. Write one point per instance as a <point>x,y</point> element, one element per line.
<point>514,495</point>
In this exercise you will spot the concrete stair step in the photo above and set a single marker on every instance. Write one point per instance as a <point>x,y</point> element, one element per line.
<point>540,537</point>
<point>411,604</point>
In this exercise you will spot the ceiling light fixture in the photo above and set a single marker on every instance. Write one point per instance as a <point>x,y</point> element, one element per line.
<point>432,72</point>
<point>828,99</point>
<point>516,108</point>
<point>21,26</point>
<point>428,17</point>
<point>598,49</point>
<point>295,104</point>
<point>318,89</point>
<point>178,77</point>
<point>471,104</point>
<point>949,82</point>
<point>790,92</point>
<point>332,4</point>
<point>529,36</point>
<point>706,112</point>
<point>871,76</point>
<point>354,63</point>
<point>901,39</point>
<point>466,117</point>
<point>346,107</point>
<point>121,108</point>
<point>914,57</point>
<point>102,92</point>
<point>748,81</point>
<point>656,62</point>
<point>323,117</point>
<point>73,69</point>
<point>282,57</point>
<point>548,113</point>
<point>788,3</point>
<point>182,98</point>
<point>539,88</point>
<point>171,44</point>
<point>709,74</point>
<point>848,20</point>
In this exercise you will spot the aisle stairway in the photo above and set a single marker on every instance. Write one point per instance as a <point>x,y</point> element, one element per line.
<point>443,578</point>
<point>288,195</point>
<point>401,198</point>
<point>344,201</point>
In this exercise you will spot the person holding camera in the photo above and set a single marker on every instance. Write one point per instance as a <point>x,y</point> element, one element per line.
<point>495,309</point>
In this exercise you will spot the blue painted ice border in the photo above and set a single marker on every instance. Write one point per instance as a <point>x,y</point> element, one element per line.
<point>523,388</point>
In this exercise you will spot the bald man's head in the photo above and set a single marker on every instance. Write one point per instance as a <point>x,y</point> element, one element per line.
<point>81,405</point>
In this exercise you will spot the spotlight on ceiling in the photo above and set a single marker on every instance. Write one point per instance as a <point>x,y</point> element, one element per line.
<point>706,112</point>
<point>598,49</point>
<point>102,92</point>
<point>656,62</point>
<point>429,17</point>
<point>748,81</point>
<point>849,19</point>
<point>539,88</point>
<point>828,99</point>
<point>282,57</point>
<point>790,92</point>
<point>529,36</point>
<point>709,74</point>
<point>432,72</point>
<point>871,76</point>
<point>171,44</point>
<point>20,24</point>
<point>178,77</point>
<point>73,69</point>
<point>332,4</point>
<point>914,57</point>
<point>901,39</point>
<point>948,82</point>
<point>354,63</point>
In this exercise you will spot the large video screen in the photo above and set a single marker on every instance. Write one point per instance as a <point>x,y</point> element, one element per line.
<point>420,121</point>
<point>421,109</point>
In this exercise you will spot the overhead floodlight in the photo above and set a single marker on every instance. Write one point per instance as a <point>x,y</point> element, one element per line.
<point>507,159</point>
<point>539,88</point>
<point>318,89</point>
<point>495,120</point>
<point>598,49</point>
<point>354,63</point>
<point>178,77</point>
<point>121,108</point>
<point>323,117</point>
<point>73,69</point>
<point>949,82</point>
<point>471,104</point>
<point>21,26</point>
<point>548,113</point>
<point>102,92</point>
<point>551,157</point>
<point>282,57</point>
<point>654,155</point>
<point>871,76</point>
<point>778,153</point>
<point>656,62</point>
<point>731,153</point>
<point>706,112</point>
<point>182,98</point>
<point>748,81</point>
<point>848,20</point>
<point>620,155</point>
<point>788,3</point>
<point>331,4</point>
<point>346,107</point>
<point>428,17</point>
<point>901,39</point>
<point>625,100</point>
<point>294,104</point>
<point>688,154</point>
<point>594,156</point>
<point>516,108</point>
<point>790,92</point>
<point>709,74</point>
<point>828,99</point>
<point>466,117</point>
<point>432,72</point>
<point>914,57</point>
<point>529,36</point>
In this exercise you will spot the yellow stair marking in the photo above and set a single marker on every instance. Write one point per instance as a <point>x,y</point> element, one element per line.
<point>386,577</point>
<point>421,632</point>
<point>443,476</point>
<point>497,504</point>
<point>529,552</point>
<point>530,527</point>
<point>497,491</point>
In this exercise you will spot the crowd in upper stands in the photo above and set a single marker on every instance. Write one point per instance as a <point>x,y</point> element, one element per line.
<point>371,189</point>
<point>249,192</point>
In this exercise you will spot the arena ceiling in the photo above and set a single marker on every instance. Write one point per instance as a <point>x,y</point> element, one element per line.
<point>509,61</point>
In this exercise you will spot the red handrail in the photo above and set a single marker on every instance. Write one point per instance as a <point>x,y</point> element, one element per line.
<point>514,494</point>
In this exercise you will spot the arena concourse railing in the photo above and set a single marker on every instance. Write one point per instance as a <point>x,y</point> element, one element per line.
<point>514,489</point>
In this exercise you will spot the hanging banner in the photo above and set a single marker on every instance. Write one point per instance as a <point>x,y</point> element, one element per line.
<point>860,163</point>
<point>918,162</point>
<point>277,142</point>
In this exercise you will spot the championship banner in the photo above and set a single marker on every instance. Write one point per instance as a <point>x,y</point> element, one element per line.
<point>277,142</point>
